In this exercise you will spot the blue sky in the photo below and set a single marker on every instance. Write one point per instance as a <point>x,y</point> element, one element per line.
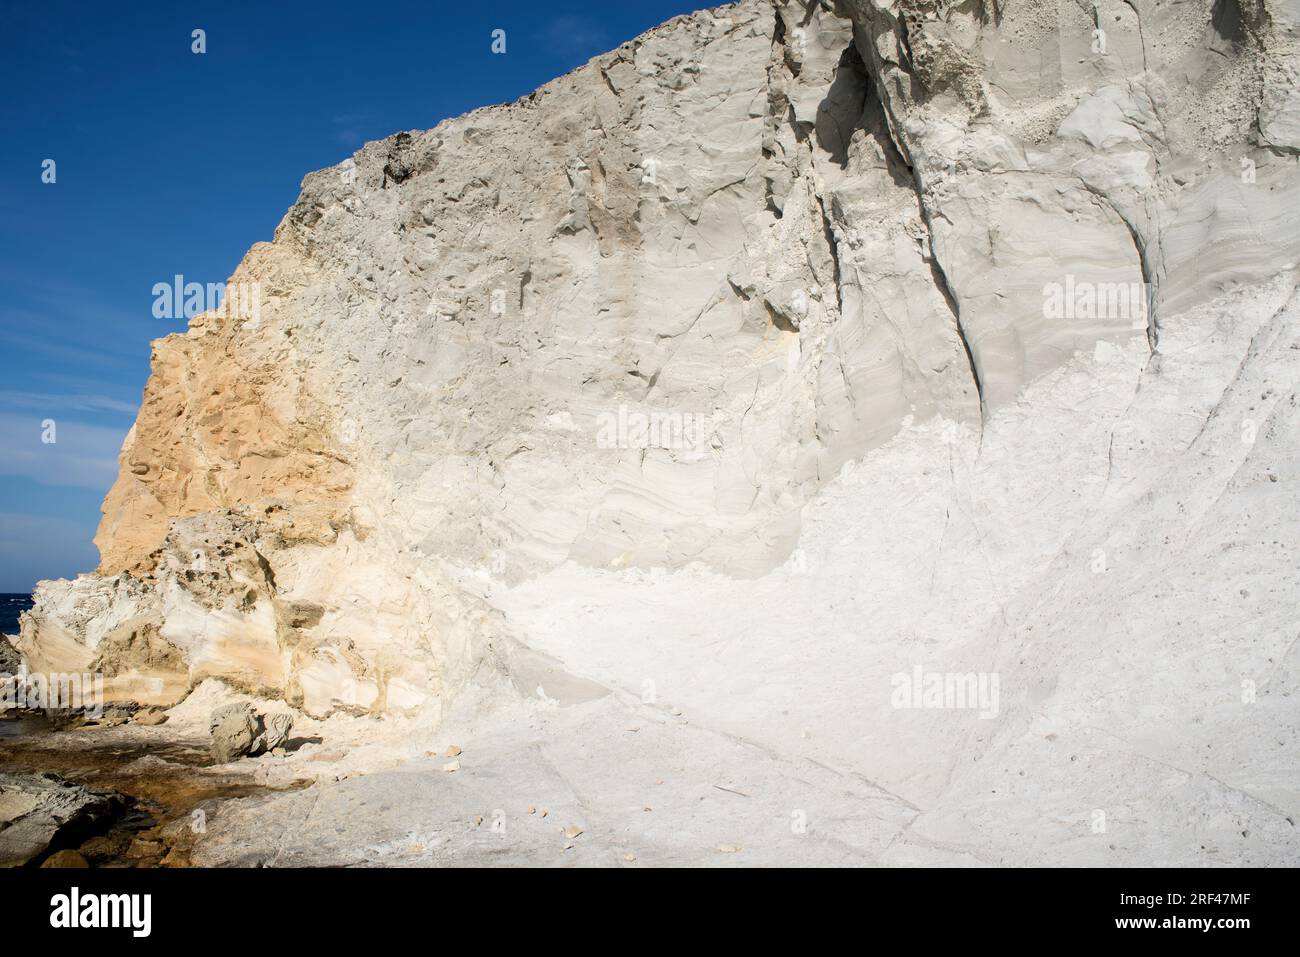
<point>169,162</point>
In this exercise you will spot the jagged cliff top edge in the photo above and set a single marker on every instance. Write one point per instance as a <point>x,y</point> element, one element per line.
<point>526,101</point>
<point>370,147</point>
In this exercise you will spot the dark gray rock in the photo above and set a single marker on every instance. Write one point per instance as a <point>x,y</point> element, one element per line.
<point>10,660</point>
<point>40,811</point>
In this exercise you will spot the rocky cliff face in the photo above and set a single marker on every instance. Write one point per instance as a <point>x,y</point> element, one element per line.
<point>641,318</point>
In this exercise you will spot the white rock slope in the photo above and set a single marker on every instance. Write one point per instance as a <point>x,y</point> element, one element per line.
<point>783,350</point>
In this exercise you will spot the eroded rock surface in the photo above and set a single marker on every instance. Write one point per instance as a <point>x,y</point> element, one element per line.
<point>781,350</point>
<point>38,811</point>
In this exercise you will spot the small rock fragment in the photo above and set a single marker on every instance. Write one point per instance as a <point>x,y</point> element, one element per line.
<point>65,859</point>
<point>150,716</point>
<point>143,847</point>
<point>112,718</point>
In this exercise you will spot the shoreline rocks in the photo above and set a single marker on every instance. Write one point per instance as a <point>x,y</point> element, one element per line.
<point>10,660</point>
<point>41,811</point>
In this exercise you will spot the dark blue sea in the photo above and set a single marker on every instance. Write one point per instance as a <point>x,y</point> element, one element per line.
<point>11,606</point>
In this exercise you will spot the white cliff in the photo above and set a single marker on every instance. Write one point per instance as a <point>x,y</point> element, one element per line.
<point>779,352</point>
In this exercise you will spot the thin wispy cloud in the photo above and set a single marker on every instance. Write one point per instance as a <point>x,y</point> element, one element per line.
<point>51,402</point>
<point>60,350</point>
<point>82,455</point>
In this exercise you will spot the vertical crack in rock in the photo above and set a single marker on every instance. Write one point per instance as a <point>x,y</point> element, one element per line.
<point>876,85</point>
<point>941,283</point>
<point>828,231</point>
<point>1151,279</point>
<point>1142,39</point>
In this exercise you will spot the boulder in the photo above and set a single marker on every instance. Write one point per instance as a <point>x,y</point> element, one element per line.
<point>239,731</point>
<point>233,729</point>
